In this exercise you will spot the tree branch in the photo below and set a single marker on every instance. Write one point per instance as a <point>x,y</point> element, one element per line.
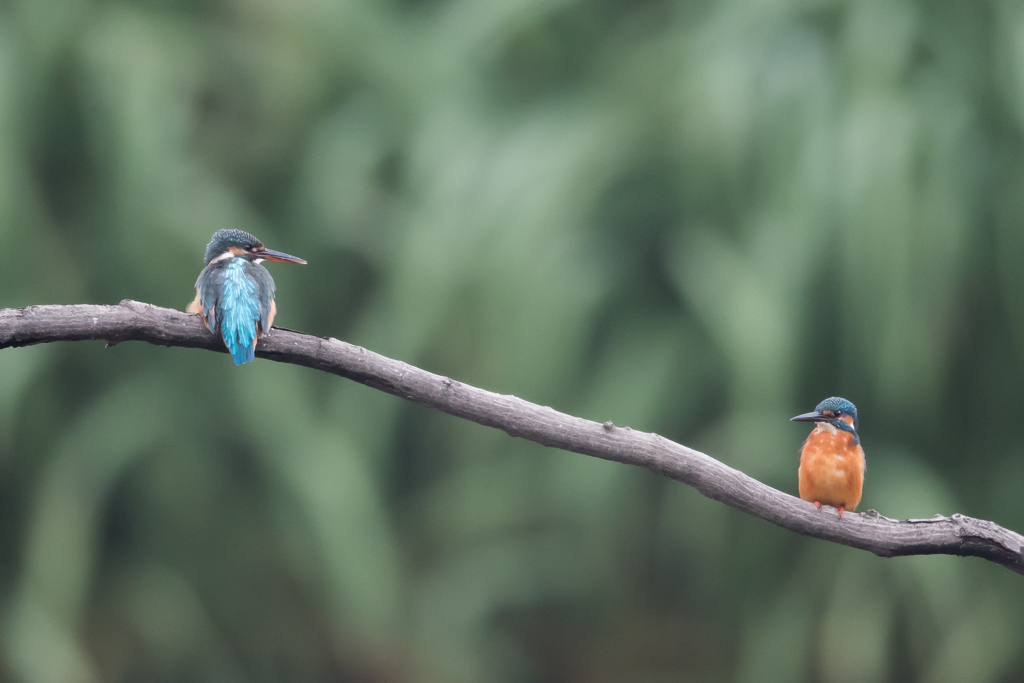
<point>134,321</point>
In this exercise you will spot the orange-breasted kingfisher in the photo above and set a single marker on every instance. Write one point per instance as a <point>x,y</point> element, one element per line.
<point>832,461</point>
<point>235,294</point>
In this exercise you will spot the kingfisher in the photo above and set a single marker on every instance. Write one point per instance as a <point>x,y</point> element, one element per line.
<point>832,461</point>
<point>235,294</point>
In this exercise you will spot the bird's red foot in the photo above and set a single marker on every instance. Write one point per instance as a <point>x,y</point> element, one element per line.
<point>841,508</point>
<point>817,505</point>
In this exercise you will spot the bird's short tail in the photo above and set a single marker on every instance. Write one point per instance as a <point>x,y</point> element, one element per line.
<point>242,350</point>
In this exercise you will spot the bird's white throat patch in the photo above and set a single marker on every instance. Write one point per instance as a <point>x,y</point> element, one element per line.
<point>826,427</point>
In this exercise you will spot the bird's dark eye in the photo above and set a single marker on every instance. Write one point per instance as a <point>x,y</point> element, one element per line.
<point>839,412</point>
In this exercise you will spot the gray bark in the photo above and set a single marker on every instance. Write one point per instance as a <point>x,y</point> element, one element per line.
<point>134,321</point>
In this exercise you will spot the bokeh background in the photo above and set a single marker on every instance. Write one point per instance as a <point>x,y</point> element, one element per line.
<point>697,218</point>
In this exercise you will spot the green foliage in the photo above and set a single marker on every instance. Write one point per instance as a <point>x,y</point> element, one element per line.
<point>695,218</point>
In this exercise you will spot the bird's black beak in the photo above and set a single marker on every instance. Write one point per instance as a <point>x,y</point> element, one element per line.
<point>812,417</point>
<point>280,256</point>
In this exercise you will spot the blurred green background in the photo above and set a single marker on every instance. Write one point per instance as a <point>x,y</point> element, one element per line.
<point>695,218</point>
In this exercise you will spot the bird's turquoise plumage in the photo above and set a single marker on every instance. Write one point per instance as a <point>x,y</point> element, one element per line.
<point>239,310</point>
<point>235,294</point>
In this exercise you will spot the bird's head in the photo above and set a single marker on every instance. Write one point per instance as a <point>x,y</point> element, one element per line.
<point>230,243</point>
<point>836,411</point>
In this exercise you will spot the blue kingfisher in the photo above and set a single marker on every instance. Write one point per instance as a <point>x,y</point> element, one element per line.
<point>235,294</point>
<point>831,460</point>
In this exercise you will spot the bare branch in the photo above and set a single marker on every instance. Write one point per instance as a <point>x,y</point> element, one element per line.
<point>134,321</point>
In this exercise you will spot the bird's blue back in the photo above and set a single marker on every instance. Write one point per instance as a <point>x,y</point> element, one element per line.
<point>236,295</point>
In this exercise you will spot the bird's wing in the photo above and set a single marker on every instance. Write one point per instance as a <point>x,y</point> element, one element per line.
<point>265,289</point>
<point>209,286</point>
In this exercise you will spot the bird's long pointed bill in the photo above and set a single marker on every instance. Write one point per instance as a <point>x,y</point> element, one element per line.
<point>811,417</point>
<point>280,256</point>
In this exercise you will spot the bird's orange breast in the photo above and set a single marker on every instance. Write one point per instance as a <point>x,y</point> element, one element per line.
<point>831,468</point>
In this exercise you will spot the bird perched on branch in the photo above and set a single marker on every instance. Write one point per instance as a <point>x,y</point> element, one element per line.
<point>235,294</point>
<point>831,460</point>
